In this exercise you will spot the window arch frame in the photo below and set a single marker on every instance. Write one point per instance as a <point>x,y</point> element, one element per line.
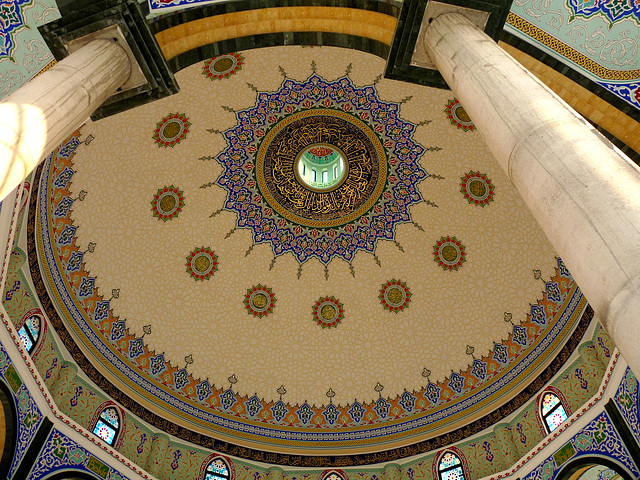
<point>212,458</point>
<point>568,469</point>
<point>37,342</point>
<point>327,473</point>
<point>118,436</point>
<point>435,467</point>
<point>542,418</point>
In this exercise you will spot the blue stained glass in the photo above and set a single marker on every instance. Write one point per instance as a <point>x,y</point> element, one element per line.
<point>217,470</point>
<point>33,324</point>
<point>548,402</point>
<point>26,341</point>
<point>556,418</point>
<point>449,460</point>
<point>110,416</point>
<point>105,432</point>
<point>453,474</point>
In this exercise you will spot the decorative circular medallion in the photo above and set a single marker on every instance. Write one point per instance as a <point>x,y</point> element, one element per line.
<point>167,203</point>
<point>292,139</point>
<point>477,188</point>
<point>202,263</point>
<point>259,301</point>
<point>171,130</point>
<point>328,312</point>
<point>222,66</point>
<point>458,115</point>
<point>395,295</point>
<point>449,253</point>
<point>320,121</point>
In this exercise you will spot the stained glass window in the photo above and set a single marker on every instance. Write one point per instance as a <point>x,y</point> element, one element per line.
<point>333,476</point>
<point>552,410</point>
<point>450,467</point>
<point>108,425</point>
<point>30,332</point>
<point>217,470</point>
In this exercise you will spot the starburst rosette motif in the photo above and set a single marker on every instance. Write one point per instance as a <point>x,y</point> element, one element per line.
<point>477,188</point>
<point>458,116</point>
<point>222,66</point>
<point>171,130</point>
<point>259,301</point>
<point>449,253</point>
<point>328,312</point>
<point>345,220</point>
<point>202,263</point>
<point>395,295</point>
<point>167,203</point>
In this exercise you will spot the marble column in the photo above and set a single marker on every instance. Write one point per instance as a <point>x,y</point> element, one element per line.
<point>38,116</point>
<point>583,191</point>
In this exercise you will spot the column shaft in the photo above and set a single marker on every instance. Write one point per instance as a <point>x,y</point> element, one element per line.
<point>582,190</point>
<point>38,116</point>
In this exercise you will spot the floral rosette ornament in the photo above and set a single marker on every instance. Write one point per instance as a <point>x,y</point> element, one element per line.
<point>395,296</point>
<point>265,190</point>
<point>458,116</point>
<point>259,301</point>
<point>171,130</point>
<point>202,263</point>
<point>222,66</point>
<point>449,253</point>
<point>477,188</point>
<point>328,312</point>
<point>167,203</point>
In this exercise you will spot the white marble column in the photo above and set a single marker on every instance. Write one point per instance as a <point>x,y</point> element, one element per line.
<point>38,116</point>
<point>584,193</point>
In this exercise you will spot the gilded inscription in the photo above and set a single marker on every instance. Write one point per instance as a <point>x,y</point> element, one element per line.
<point>366,168</point>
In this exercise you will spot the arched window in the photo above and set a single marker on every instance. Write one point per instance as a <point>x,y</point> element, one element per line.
<point>217,469</point>
<point>450,467</point>
<point>333,475</point>
<point>313,174</point>
<point>325,176</point>
<point>29,333</point>
<point>552,411</point>
<point>108,425</point>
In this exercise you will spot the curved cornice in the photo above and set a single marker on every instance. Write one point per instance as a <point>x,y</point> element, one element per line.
<point>190,36</point>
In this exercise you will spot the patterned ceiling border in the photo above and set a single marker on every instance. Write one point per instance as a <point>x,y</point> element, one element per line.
<point>277,458</point>
<point>571,54</point>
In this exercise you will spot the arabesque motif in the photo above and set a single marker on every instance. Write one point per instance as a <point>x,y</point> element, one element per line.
<point>364,210</point>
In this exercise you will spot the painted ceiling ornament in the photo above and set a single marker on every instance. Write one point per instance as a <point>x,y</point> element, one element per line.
<point>171,130</point>
<point>271,149</point>
<point>328,312</point>
<point>395,295</point>
<point>259,301</point>
<point>458,116</point>
<point>477,188</point>
<point>222,66</point>
<point>167,203</point>
<point>11,22</point>
<point>449,253</point>
<point>202,263</point>
<point>613,10</point>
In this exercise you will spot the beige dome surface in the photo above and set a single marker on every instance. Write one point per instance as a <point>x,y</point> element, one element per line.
<point>178,269</point>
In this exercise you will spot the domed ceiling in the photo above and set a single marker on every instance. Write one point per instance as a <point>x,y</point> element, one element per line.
<point>203,280</point>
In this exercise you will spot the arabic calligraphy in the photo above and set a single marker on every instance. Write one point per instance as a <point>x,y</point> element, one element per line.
<point>365,177</point>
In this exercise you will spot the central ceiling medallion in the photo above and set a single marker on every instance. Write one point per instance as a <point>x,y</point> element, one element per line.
<point>321,169</point>
<point>297,176</point>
